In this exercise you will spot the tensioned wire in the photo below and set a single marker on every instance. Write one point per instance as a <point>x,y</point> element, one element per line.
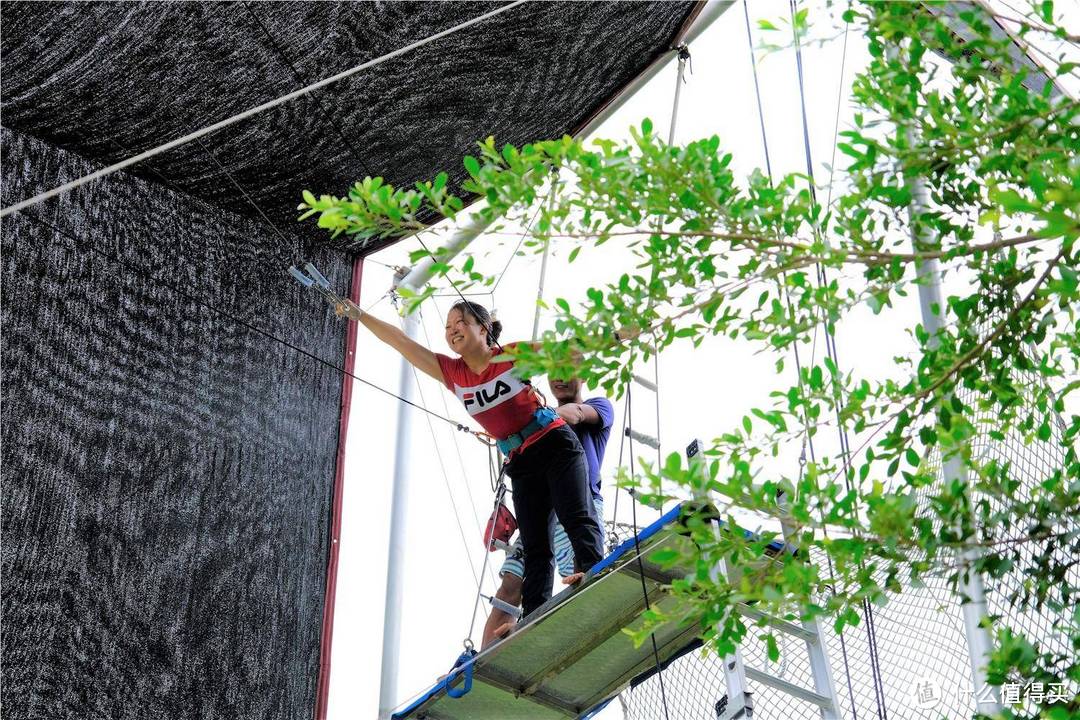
<point>194,298</point>
<point>251,112</point>
<point>461,462</point>
<point>833,354</point>
<point>808,441</point>
<point>684,55</point>
<point>344,138</point>
<point>446,480</point>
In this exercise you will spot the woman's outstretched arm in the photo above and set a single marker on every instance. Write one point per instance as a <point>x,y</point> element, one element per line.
<point>418,356</point>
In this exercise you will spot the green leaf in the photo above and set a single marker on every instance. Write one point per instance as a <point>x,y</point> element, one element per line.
<point>1046,11</point>
<point>472,165</point>
<point>1044,431</point>
<point>771,648</point>
<point>664,556</point>
<point>912,457</point>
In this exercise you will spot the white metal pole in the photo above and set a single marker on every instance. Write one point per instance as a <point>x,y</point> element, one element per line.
<point>973,606</point>
<point>395,569</point>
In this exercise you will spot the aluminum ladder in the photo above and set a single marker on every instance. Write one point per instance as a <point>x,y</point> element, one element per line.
<point>738,701</point>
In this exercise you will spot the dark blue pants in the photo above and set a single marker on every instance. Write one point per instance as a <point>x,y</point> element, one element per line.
<point>553,474</point>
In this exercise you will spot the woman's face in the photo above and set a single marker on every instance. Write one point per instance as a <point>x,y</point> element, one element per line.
<point>463,333</point>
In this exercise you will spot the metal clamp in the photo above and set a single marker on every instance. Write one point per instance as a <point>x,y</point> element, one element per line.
<point>316,281</point>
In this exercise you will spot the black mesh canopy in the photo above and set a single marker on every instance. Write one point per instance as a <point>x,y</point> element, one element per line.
<point>171,397</point>
<point>108,80</point>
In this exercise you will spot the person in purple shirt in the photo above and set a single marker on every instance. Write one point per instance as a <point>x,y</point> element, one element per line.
<point>591,421</point>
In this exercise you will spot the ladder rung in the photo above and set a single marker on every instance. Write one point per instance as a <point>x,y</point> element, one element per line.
<point>783,626</point>
<point>647,384</point>
<point>643,438</point>
<point>789,688</point>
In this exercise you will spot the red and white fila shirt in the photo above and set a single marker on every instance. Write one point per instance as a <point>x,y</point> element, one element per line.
<point>496,398</point>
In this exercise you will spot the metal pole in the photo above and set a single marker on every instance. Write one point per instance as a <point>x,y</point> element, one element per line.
<point>395,570</point>
<point>470,224</point>
<point>684,55</point>
<point>973,606</point>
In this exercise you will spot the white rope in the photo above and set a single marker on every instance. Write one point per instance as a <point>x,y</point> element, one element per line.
<point>446,481</point>
<point>680,80</point>
<point>251,112</point>
<point>684,55</point>
<point>457,450</point>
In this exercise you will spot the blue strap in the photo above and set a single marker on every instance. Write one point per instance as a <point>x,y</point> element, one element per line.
<point>466,659</point>
<point>541,419</point>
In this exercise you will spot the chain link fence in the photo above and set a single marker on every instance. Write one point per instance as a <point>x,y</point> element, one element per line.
<point>908,658</point>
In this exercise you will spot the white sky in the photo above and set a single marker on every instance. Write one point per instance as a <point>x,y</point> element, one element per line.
<point>703,391</point>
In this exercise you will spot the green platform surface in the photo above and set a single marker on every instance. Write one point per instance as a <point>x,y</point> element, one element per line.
<point>571,655</point>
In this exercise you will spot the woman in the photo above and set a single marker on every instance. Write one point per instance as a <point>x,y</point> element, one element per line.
<point>546,463</point>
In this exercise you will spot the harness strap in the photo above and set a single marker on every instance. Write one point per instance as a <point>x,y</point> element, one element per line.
<point>464,659</point>
<point>541,419</point>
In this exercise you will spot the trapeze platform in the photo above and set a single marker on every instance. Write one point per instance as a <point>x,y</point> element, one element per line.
<point>571,657</point>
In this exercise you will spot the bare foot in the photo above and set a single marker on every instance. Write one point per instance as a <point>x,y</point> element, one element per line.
<point>573,579</point>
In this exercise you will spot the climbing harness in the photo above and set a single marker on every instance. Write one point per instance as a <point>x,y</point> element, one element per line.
<point>540,420</point>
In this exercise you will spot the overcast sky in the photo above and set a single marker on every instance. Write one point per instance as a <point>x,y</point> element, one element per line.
<point>702,392</point>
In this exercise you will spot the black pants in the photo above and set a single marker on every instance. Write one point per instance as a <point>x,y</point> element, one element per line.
<point>553,474</point>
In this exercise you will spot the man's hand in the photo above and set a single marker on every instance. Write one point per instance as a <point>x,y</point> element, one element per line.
<point>576,413</point>
<point>504,630</point>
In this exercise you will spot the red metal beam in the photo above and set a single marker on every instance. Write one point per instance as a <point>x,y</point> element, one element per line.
<point>322,690</point>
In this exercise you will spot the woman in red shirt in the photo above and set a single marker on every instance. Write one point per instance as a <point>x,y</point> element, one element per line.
<point>546,463</point>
